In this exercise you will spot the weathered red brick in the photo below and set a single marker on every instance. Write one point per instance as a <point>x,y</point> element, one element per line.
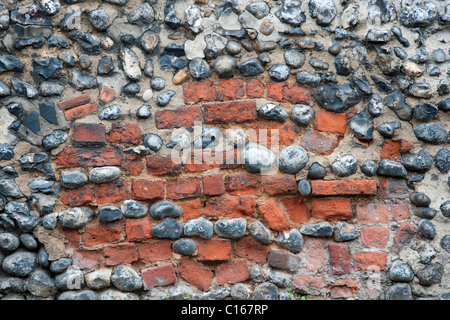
<point>230,206</point>
<point>274,216</point>
<point>369,260</point>
<point>199,91</point>
<point>156,250</point>
<point>232,271</point>
<point>400,211</point>
<point>393,188</point>
<point>273,133</point>
<point>249,248</point>
<point>229,112</point>
<point>89,133</point>
<point>106,94</point>
<point>71,237</point>
<point>159,165</point>
<point>374,237</point>
<point>406,146</point>
<point>339,209</point>
<point>283,260</point>
<point>344,288</point>
<point>183,188</point>
<point>255,88</point>
<point>391,150</point>
<point>123,253</point>
<point>181,117</point>
<point>159,276</point>
<point>318,143</point>
<point>74,102</point>
<point>297,209</point>
<point>201,162</point>
<point>315,254</point>
<point>279,184</point>
<point>405,235</point>
<point>372,212</point>
<point>78,197</point>
<point>86,260</point>
<point>132,164</point>
<point>145,189</point>
<point>288,92</point>
<point>214,250</point>
<point>343,187</point>
<point>308,283</point>
<point>330,122</point>
<point>125,133</point>
<point>102,233</point>
<point>340,259</point>
<point>213,185</point>
<point>241,184</point>
<point>81,111</point>
<point>111,192</point>
<point>231,89</point>
<point>191,209</point>
<point>84,157</point>
<point>195,273</point>
<point>138,229</point>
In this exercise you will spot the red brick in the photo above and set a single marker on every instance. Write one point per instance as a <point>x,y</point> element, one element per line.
<point>255,88</point>
<point>71,238</point>
<point>181,117</point>
<point>343,187</point>
<point>274,216</point>
<point>229,112</point>
<point>315,254</point>
<point>125,133</point>
<point>213,185</point>
<point>297,209</point>
<point>195,273</point>
<point>249,248</point>
<point>318,143</point>
<point>308,283</point>
<point>81,111</point>
<point>405,235</point>
<point>231,89</point>
<point>214,250</point>
<point>344,288</point>
<point>201,162</point>
<point>340,259</point>
<point>124,253</point>
<point>339,209</point>
<point>102,233</point>
<point>241,184</point>
<point>89,133</point>
<point>372,212</point>
<point>159,165</point>
<point>132,164</point>
<point>393,188</point>
<point>400,211</point>
<point>406,146</point>
<point>84,157</point>
<point>391,150</point>
<point>199,91</point>
<point>279,184</point>
<point>369,260</point>
<point>288,92</point>
<point>374,237</point>
<point>232,272</point>
<point>111,192</point>
<point>138,229</point>
<point>78,197</point>
<point>144,189</point>
<point>273,133</point>
<point>183,188</point>
<point>74,102</point>
<point>330,122</point>
<point>156,250</point>
<point>191,209</point>
<point>230,206</point>
<point>86,259</point>
<point>159,276</point>
<point>106,94</point>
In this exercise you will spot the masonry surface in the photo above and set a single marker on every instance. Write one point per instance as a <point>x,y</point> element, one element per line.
<point>224,149</point>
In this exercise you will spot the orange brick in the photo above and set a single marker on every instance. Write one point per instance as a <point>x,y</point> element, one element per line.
<point>330,122</point>
<point>123,253</point>
<point>81,111</point>
<point>195,273</point>
<point>297,209</point>
<point>74,102</point>
<point>138,229</point>
<point>343,187</point>
<point>214,250</point>
<point>369,260</point>
<point>372,212</point>
<point>232,272</point>
<point>339,209</point>
<point>156,250</point>
<point>231,89</point>
<point>106,94</point>
<point>374,237</point>
<point>274,216</point>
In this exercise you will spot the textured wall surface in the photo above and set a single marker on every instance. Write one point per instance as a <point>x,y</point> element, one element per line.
<point>232,149</point>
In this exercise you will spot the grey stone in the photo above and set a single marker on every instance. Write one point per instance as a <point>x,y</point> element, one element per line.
<point>445,209</point>
<point>427,229</point>
<point>418,162</point>
<point>401,272</point>
<point>169,228</point>
<point>337,98</point>
<point>272,111</point>
<point>231,228</point>
<point>399,291</point>
<point>20,263</point>
<point>209,138</point>
<point>294,58</point>
<point>430,132</point>
<point>418,13</point>
<point>304,77</point>
<point>131,64</point>
<point>144,112</point>
<point>342,231</point>
<point>391,168</point>
<point>126,278</point>
<point>68,57</point>
<point>170,16</point>
<point>113,112</point>
<point>143,15</point>
<point>361,125</point>
<point>281,280</point>
<point>164,98</point>
<point>70,279</point>
<point>43,258</point>
<point>104,174</point>
<point>98,279</point>
<point>420,90</point>
<point>82,81</point>
<point>375,105</point>
<point>109,213</point>
<point>153,142</point>
<point>316,171</point>
<point>387,129</point>
<point>442,160</point>
<point>46,68</point>
<point>292,159</point>
<point>378,36</point>
<point>304,187</point>
<point>233,48</point>
<point>185,246</point>
<point>260,232</point>
<point>60,265</point>
<point>279,72</point>
<point>396,102</point>
<point>199,69</point>
<point>87,41</point>
<point>28,241</point>
<point>199,227</point>
<point>445,243</point>
<point>75,218</point>
<point>179,142</point>
<point>256,273</point>
<point>257,158</point>
<point>9,242</point>
<point>112,294</point>
<point>321,229</point>
<point>133,209</point>
<point>290,12</point>
<point>41,284</point>
<point>266,291</point>
<point>344,166</point>
<point>73,179</point>
<point>49,221</point>
<point>224,66</point>
<point>240,291</point>
<point>26,89</point>
<point>164,209</point>
<point>369,168</point>
<point>324,11</point>
<point>302,114</point>
<point>251,67</point>
<point>10,63</point>
<point>425,111</point>
<point>432,274</point>
<point>292,240</point>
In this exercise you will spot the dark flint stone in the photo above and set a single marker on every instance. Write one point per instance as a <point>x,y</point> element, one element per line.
<point>419,162</point>
<point>387,129</point>
<point>431,132</point>
<point>420,199</point>
<point>425,111</point>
